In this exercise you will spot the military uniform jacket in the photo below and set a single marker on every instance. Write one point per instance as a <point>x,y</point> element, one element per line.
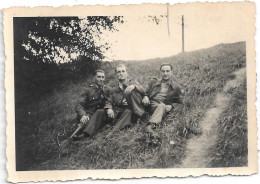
<point>173,94</point>
<point>115,100</point>
<point>92,98</point>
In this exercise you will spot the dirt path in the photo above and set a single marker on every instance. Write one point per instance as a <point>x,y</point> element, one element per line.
<point>198,146</point>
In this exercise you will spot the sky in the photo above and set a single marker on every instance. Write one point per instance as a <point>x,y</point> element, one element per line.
<point>140,38</point>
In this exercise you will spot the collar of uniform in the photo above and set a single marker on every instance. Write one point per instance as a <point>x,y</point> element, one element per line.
<point>158,82</point>
<point>97,86</point>
<point>127,82</point>
<point>170,82</point>
<point>117,86</point>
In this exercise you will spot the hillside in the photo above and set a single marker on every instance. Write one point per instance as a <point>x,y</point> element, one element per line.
<point>202,74</point>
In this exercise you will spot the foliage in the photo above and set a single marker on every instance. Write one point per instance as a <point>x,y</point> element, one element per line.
<point>62,39</point>
<point>49,50</point>
<point>202,74</point>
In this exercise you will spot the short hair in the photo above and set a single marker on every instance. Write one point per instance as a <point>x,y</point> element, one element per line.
<point>120,65</point>
<point>99,70</point>
<point>166,64</point>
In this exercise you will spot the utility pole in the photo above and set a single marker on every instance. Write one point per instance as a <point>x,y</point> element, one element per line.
<point>182,24</point>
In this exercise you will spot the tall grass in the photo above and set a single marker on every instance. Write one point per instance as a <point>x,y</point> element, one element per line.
<point>201,73</point>
<point>231,148</point>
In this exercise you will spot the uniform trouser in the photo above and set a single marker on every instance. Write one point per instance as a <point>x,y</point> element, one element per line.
<point>158,110</point>
<point>125,114</point>
<point>123,119</point>
<point>96,122</point>
<point>134,99</point>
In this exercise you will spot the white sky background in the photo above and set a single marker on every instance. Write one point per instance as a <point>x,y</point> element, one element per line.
<point>138,39</point>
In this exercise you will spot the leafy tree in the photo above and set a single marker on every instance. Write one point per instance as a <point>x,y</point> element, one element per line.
<point>62,39</point>
<point>49,50</point>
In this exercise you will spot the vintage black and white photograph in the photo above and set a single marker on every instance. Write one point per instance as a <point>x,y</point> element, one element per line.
<point>136,89</point>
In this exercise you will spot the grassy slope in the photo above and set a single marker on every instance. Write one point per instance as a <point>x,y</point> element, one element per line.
<point>230,149</point>
<point>202,74</point>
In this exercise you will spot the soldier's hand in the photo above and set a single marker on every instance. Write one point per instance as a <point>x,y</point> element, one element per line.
<point>129,89</point>
<point>146,101</point>
<point>84,119</point>
<point>110,113</point>
<point>168,108</point>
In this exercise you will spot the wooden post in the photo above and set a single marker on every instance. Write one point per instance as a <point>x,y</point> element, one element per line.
<point>182,18</point>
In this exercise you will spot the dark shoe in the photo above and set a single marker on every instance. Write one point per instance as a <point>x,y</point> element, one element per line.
<point>155,140</point>
<point>138,121</point>
<point>151,127</point>
<point>80,137</point>
<point>153,136</point>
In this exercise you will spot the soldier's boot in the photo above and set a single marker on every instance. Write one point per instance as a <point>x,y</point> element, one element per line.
<point>151,130</point>
<point>80,137</point>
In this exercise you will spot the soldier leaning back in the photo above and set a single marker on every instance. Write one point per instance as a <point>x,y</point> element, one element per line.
<point>162,96</point>
<point>125,100</point>
<point>90,106</point>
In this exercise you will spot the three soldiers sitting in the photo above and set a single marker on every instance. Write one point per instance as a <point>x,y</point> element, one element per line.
<point>125,100</point>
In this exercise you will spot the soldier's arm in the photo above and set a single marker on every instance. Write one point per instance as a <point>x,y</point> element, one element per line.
<point>109,102</point>
<point>140,88</point>
<point>109,106</point>
<point>177,99</point>
<point>149,87</point>
<point>83,99</point>
<point>107,92</point>
<point>146,100</point>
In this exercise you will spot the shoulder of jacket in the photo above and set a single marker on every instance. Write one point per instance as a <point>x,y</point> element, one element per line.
<point>115,83</point>
<point>176,84</point>
<point>133,81</point>
<point>112,85</point>
<point>153,80</point>
<point>89,87</point>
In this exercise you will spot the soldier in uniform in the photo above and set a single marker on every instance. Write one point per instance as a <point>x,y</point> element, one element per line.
<point>90,106</point>
<point>125,100</point>
<point>162,96</point>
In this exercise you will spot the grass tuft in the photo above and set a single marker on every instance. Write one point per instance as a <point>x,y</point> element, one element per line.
<point>231,148</point>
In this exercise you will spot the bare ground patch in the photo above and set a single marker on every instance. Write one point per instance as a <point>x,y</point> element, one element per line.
<point>198,146</point>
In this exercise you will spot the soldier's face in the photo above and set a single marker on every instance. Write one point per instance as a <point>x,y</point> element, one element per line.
<point>100,77</point>
<point>121,73</point>
<point>166,72</point>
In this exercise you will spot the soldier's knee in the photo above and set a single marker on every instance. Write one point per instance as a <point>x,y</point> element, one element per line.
<point>161,105</point>
<point>132,93</point>
<point>136,96</point>
<point>136,93</point>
